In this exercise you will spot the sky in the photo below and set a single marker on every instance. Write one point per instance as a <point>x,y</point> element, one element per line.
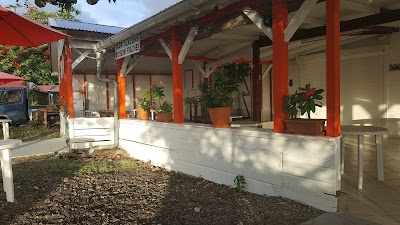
<point>123,13</point>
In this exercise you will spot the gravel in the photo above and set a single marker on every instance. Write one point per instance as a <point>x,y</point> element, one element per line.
<point>52,190</point>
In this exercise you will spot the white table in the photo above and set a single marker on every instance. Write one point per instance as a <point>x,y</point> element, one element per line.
<point>360,131</point>
<point>6,167</point>
<point>6,127</point>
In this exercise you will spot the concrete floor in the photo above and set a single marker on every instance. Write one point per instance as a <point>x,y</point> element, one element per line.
<point>378,201</point>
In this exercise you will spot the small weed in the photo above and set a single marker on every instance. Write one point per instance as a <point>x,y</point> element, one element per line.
<point>240,183</point>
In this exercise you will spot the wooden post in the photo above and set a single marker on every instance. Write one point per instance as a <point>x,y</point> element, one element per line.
<point>177,83</point>
<point>68,80</point>
<point>280,56</point>
<point>257,82</point>
<point>121,90</point>
<point>333,67</point>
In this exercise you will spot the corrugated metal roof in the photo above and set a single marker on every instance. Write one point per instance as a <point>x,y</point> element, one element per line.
<point>71,25</point>
<point>162,10</point>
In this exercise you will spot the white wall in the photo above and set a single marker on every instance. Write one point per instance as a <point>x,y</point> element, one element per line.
<point>392,83</point>
<point>302,168</point>
<point>100,129</point>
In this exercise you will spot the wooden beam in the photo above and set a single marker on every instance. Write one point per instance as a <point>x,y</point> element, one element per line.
<point>299,18</point>
<point>166,48</point>
<point>81,58</point>
<point>234,37</point>
<point>124,65</point>
<point>187,44</point>
<point>265,73</point>
<point>354,6</point>
<point>258,21</point>
<point>363,22</point>
<point>213,17</point>
<point>133,65</point>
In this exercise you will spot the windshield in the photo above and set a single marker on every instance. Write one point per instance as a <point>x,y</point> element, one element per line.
<point>10,96</point>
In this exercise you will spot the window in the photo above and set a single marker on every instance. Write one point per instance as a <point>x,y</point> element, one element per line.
<point>7,97</point>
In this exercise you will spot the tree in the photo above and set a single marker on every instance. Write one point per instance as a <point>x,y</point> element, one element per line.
<point>33,64</point>
<point>65,4</point>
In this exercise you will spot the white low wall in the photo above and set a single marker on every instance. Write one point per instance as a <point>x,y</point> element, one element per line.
<point>101,129</point>
<point>302,168</point>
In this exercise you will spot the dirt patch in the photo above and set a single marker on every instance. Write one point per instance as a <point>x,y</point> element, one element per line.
<point>53,190</point>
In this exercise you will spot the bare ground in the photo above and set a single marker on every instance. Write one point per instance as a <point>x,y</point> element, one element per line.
<point>53,190</point>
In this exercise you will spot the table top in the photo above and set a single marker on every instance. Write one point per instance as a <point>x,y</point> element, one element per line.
<point>9,143</point>
<point>363,130</point>
<point>5,121</point>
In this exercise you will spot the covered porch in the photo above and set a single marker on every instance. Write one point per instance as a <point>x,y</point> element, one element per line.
<point>190,43</point>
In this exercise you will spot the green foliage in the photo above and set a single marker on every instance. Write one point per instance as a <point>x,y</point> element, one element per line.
<point>33,131</point>
<point>64,4</point>
<point>191,100</point>
<point>33,64</point>
<point>240,183</point>
<point>157,91</point>
<point>226,81</point>
<point>304,100</point>
<point>144,101</point>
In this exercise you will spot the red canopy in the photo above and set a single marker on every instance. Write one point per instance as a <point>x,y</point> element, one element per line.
<point>21,31</point>
<point>5,78</point>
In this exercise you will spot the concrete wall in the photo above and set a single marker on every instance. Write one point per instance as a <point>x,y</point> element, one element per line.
<point>302,168</point>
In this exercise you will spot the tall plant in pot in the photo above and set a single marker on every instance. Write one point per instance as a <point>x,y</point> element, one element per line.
<point>303,101</point>
<point>217,96</point>
<point>164,108</point>
<point>144,105</point>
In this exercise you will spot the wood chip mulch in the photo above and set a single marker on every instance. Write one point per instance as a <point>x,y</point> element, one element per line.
<point>49,191</point>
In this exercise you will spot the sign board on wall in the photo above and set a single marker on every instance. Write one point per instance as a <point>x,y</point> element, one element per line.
<point>128,47</point>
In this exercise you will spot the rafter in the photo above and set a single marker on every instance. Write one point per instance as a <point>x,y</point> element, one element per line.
<point>346,4</point>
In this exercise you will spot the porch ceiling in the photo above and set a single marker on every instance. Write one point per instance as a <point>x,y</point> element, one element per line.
<point>237,41</point>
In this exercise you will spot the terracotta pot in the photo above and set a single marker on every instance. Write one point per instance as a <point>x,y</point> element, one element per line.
<point>143,114</point>
<point>164,117</point>
<point>312,127</point>
<point>220,117</point>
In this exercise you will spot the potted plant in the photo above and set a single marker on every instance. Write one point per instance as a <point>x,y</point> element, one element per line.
<point>144,105</point>
<point>164,111</point>
<point>304,100</point>
<point>217,96</point>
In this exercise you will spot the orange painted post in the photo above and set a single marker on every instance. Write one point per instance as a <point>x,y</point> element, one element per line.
<point>333,67</point>
<point>68,81</point>
<point>280,58</point>
<point>177,83</point>
<point>121,90</point>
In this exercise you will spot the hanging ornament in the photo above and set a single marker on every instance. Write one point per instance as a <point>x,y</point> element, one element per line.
<point>267,21</point>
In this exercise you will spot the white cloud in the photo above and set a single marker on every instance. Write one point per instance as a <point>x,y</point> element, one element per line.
<point>123,13</point>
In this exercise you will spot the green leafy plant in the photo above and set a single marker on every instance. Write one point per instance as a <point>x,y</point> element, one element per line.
<point>33,64</point>
<point>157,91</point>
<point>304,100</point>
<point>240,183</point>
<point>144,100</point>
<point>226,81</point>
